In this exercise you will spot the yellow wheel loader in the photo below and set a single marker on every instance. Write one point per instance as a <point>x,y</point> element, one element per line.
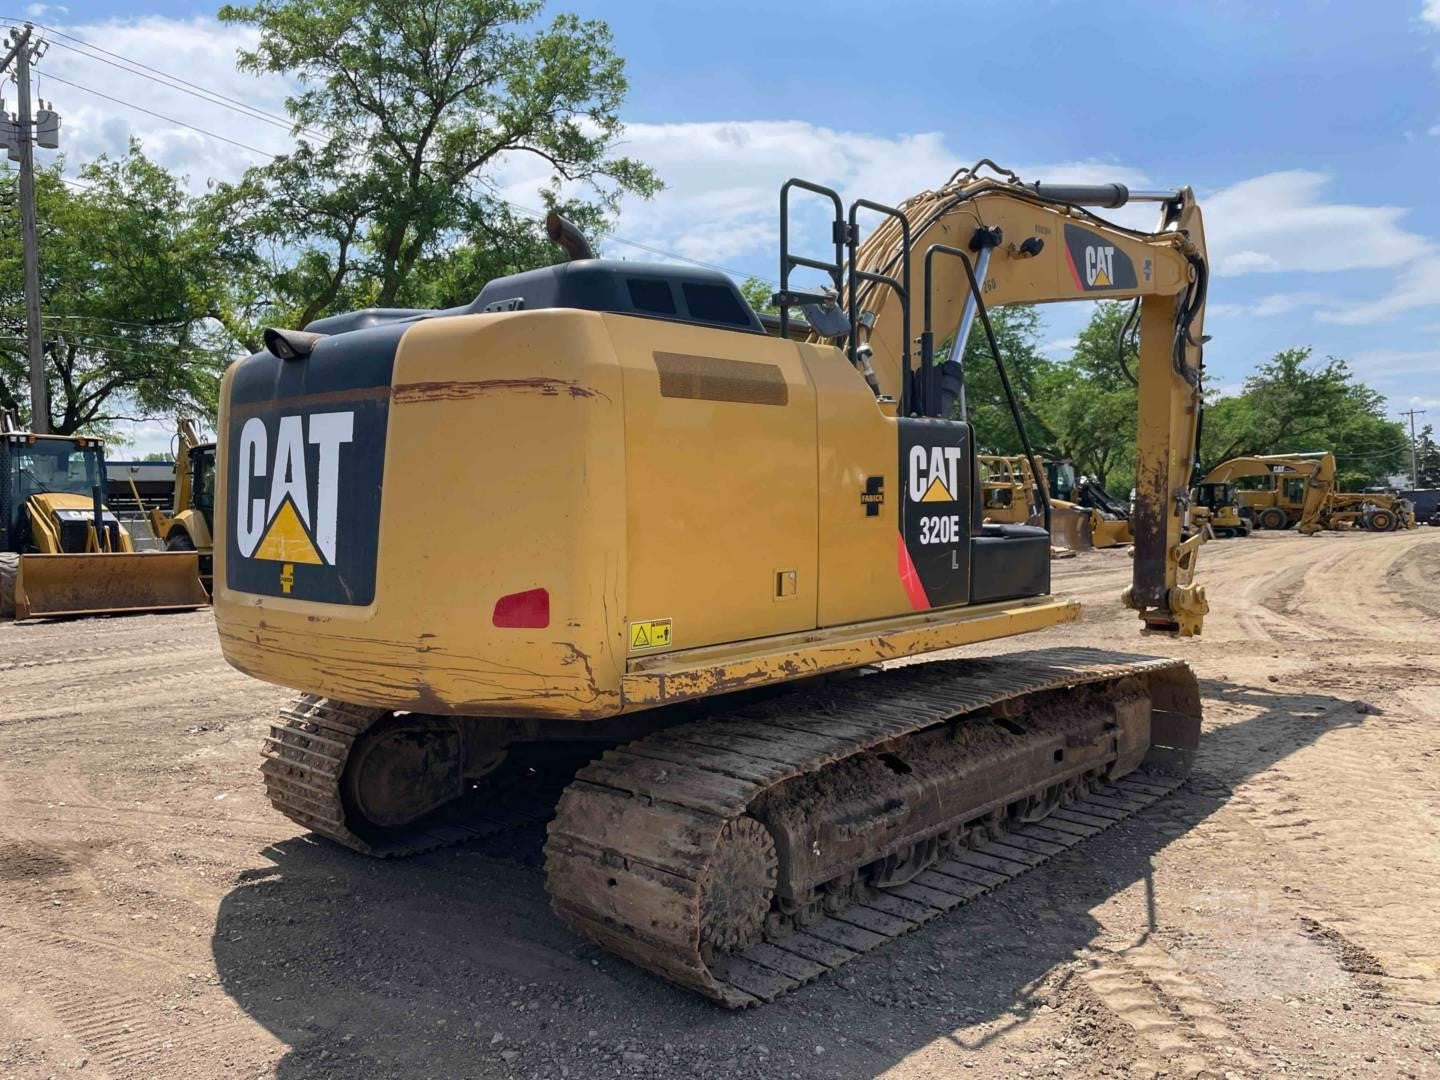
<point>61,551</point>
<point>691,542</point>
<point>189,524</point>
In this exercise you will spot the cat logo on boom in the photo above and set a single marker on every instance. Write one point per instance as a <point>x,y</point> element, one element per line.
<point>1099,263</point>
<point>1095,263</point>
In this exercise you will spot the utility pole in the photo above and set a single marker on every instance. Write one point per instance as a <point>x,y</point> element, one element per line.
<point>22,52</point>
<point>1414,472</point>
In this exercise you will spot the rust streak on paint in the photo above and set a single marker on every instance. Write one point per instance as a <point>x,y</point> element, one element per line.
<point>465,390</point>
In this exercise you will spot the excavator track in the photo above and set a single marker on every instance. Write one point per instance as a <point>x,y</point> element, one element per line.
<point>664,851</point>
<point>304,758</point>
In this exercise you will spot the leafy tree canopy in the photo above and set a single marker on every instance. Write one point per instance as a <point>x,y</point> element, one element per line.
<point>408,113</point>
<point>130,275</point>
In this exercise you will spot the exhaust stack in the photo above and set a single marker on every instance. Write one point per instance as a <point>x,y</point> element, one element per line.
<point>568,237</point>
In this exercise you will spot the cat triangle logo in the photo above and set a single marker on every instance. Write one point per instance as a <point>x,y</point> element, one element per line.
<point>937,492</point>
<point>286,539</point>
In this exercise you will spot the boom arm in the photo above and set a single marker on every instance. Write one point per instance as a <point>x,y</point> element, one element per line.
<point>1030,247</point>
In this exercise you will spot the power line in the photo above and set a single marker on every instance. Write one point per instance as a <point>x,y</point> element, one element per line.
<point>165,79</point>
<point>162,116</point>
<point>217,98</point>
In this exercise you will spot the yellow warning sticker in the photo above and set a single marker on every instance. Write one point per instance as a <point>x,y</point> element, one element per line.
<point>652,634</point>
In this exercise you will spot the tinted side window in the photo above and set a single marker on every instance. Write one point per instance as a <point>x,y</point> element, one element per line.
<point>651,296</point>
<point>715,304</point>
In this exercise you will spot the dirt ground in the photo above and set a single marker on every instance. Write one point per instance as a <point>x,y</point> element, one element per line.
<point>1278,915</point>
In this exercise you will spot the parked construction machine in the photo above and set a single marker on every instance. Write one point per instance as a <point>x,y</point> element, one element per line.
<point>1217,504</point>
<point>693,542</point>
<point>1106,519</point>
<point>1007,491</point>
<point>1298,490</point>
<point>62,552</point>
<point>190,523</point>
<point>1082,514</point>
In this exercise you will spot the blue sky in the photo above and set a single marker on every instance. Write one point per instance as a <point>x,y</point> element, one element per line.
<point>1310,129</point>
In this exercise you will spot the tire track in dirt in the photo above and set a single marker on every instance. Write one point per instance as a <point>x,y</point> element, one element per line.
<point>1145,987</point>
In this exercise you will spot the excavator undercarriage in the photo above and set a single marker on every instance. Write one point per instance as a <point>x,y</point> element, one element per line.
<point>750,851</point>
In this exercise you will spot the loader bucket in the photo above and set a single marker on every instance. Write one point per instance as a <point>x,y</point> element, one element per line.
<point>1071,527</point>
<point>112,583</point>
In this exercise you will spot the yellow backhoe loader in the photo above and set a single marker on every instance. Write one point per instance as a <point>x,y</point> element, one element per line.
<point>61,551</point>
<point>1007,491</point>
<point>689,540</point>
<point>1217,504</point>
<point>188,525</point>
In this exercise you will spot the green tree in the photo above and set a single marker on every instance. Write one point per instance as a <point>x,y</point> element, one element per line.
<point>1017,332</point>
<point>1294,405</point>
<point>757,293</point>
<point>1427,459</point>
<point>130,273</point>
<point>406,113</point>
<point>1091,402</point>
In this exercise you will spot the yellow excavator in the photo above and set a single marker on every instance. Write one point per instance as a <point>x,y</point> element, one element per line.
<point>188,525</point>
<point>1293,493</point>
<point>692,542</point>
<point>1299,491</point>
<point>62,552</point>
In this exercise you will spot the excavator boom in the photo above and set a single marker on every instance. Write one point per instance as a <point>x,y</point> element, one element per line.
<point>1040,244</point>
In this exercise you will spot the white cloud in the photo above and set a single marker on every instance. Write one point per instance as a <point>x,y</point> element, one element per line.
<point>1276,304</point>
<point>45,11</point>
<point>719,205</point>
<point>1061,345</point>
<point>1430,13</point>
<point>1280,222</point>
<point>1395,366</point>
<point>1416,286</point>
<point>200,50</point>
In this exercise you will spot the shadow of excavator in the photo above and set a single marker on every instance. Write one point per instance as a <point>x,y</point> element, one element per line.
<point>411,968</point>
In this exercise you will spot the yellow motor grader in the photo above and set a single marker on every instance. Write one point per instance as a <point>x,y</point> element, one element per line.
<point>62,552</point>
<point>692,541</point>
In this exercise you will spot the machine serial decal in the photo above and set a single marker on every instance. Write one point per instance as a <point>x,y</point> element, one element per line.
<point>1096,264</point>
<point>651,634</point>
